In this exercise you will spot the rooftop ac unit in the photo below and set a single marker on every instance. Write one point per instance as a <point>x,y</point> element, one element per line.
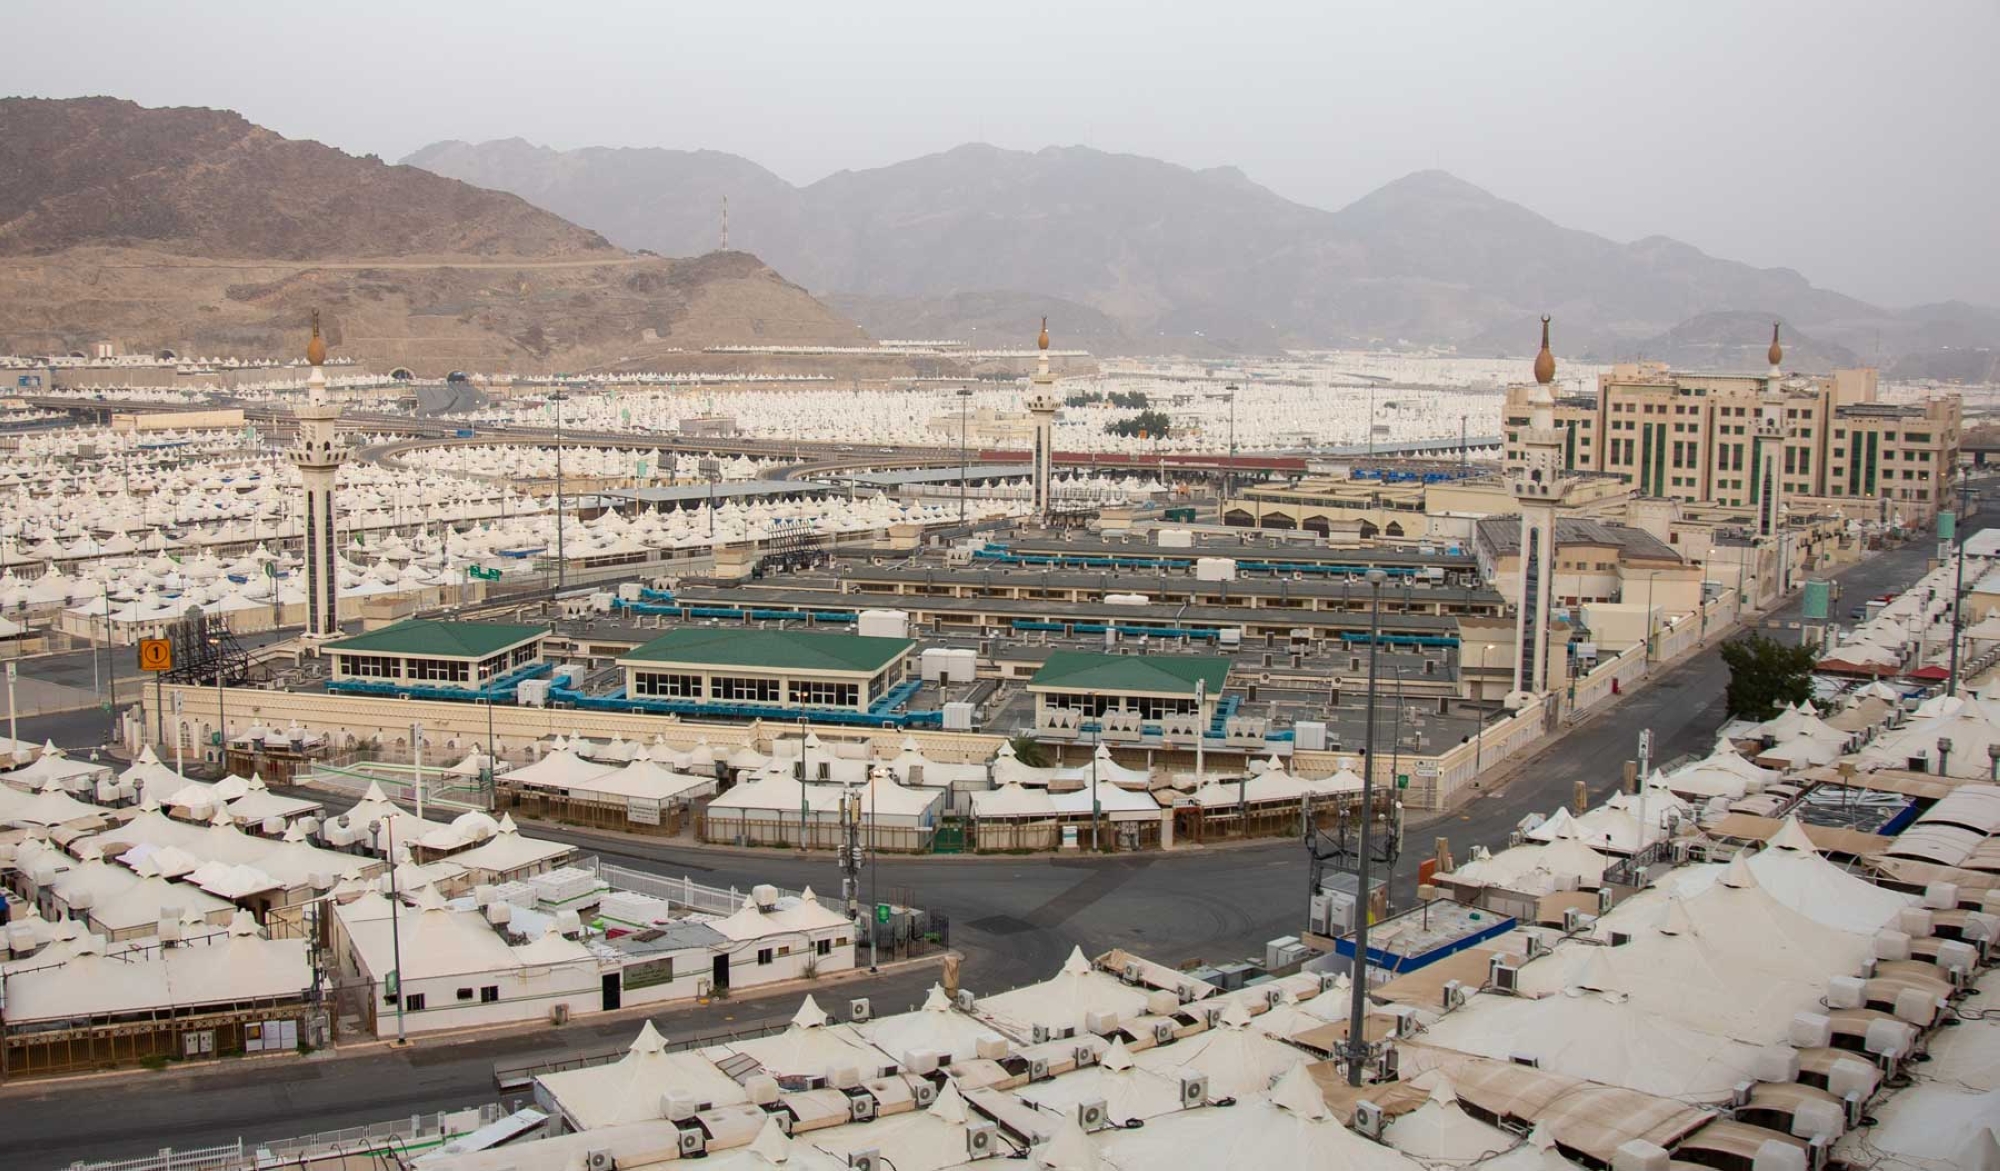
<point>1454,994</point>
<point>1739,1095</point>
<point>1194,1090</point>
<point>923,1092</point>
<point>1368,1119</point>
<point>1274,996</point>
<point>861,1108</point>
<point>1604,899</point>
<point>1038,1069</point>
<point>1572,920</point>
<point>1131,974</point>
<point>1084,1055</point>
<point>1503,976</point>
<point>600,1160</point>
<point>1039,1035</point>
<point>982,1140</point>
<point>1163,1032</point>
<point>858,1010</point>
<point>965,999</point>
<point>865,1159</point>
<point>692,1143</point>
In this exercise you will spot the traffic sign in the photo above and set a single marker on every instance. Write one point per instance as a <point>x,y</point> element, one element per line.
<point>156,654</point>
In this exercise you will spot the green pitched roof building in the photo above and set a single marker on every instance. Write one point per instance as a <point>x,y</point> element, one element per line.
<point>436,653</point>
<point>788,668</point>
<point>1150,686</point>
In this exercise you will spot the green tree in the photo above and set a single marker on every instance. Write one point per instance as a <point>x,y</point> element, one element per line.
<point>1765,674</point>
<point>1152,424</point>
<point>1030,752</point>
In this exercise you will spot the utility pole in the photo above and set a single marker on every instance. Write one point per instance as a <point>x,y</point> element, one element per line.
<point>417,756</point>
<point>1958,587</point>
<point>964,401</point>
<point>562,563</point>
<point>1357,1038</point>
<point>1229,474</point>
<point>13,718</point>
<point>1645,769</point>
<point>850,853</point>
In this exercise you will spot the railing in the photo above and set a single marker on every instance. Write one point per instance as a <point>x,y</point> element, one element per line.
<point>199,1159</point>
<point>682,891</point>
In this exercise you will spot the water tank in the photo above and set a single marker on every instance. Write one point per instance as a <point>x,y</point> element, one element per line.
<point>883,624</point>
<point>958,717</point>
<point>1175,538</point>
<point>930,664</point>
<point>961,666</point>
<point>1309,735</point>
<point>1215,569</point>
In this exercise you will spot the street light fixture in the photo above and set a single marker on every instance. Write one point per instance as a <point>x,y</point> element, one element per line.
<point>1357,1039</point>
<point>388,827</point>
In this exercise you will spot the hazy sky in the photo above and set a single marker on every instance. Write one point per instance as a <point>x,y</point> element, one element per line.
<point>1855,142</point>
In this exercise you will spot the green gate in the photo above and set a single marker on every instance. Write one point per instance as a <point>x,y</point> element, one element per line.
<point>949,837</point>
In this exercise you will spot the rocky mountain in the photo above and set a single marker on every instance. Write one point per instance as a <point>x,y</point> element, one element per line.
<point>196,231</point>
<point>1732,341</point>
<point>1177,258</point>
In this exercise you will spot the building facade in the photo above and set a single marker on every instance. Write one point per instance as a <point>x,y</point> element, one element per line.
<point>1695,438</point>
<point>767,668</point>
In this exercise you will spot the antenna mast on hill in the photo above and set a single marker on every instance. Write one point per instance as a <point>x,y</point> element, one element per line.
<point>725,224</point>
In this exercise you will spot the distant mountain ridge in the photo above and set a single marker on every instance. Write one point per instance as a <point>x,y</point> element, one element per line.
<point>197,231</point>
<point>1176,255</point>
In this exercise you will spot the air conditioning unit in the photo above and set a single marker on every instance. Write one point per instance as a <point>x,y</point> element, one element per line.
<point>1194,1090</point>
<point>1604,899</point>
<point>1739,1095</point>
<point>600,1160</point>
<point>865,1159</point>
<point>1185,994</point>
<point>1093,1115</point>
<point>1536,947</point>
<point>923,1092</point>
<point>693,1143</point>
<point>1039,1035</point>
<point>1368,1120</point>
<point>1503,976</point>
<point>1084,1055</point>
<point>1273,997</point>
<point>982,1140</point>
<point>1853,1105</point>
<point>1572,920</point>
<point>1454,994</point>
<point>1038,1069</point>
<point>784,1120</point>
<point>861,1108</point>
<point>1131,974</point>
<point>1163,1032</point>
<point>1327,982</point>
<point>965,999</point>
<point>858,1010</point>
<point>1211,1015</point>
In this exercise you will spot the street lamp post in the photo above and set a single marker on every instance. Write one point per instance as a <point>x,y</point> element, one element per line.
<point>1096,740</point>
<point>1229,473</point>
<point>388,827</point>
<point>1357,1039</point>
<point>964,402</point>
<point>1957,595</point>
<point>562,563</point>
<point>805,777</point>
<point>221,717</point>
<point>1944,754</point>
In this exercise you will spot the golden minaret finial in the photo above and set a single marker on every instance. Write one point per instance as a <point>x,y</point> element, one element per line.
<point>1545,362</point>
<point>1777,352</point>
<point>316,348</point>
<point>1042,343</point>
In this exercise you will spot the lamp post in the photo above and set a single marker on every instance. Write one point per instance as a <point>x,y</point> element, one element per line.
<point>1096,741</point>
<point>964,402</point>
<point>417,759</point>
<point>388,827</point>
<point>1959,590</point>
<point>1229,473</point>
<point>874,881</point>
<point>1650,634</point>
<point>1944,753</point>
<point>562,563</point>
<point>805,776</point>
<point>1357,1040</point>
<point>221,718</point>
<point>1993,759</point>
<point>1479,701</point>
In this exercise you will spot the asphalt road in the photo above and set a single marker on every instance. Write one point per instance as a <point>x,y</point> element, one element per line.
<point>1013,918</point>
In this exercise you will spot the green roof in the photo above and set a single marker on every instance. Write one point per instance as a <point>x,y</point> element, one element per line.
<point>772,650</point>
<point>429,638</point>
<point>1163,674</point>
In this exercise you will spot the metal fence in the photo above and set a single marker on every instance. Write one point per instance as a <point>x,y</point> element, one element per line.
<point>416,1132</point>
<point>681,891</point>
